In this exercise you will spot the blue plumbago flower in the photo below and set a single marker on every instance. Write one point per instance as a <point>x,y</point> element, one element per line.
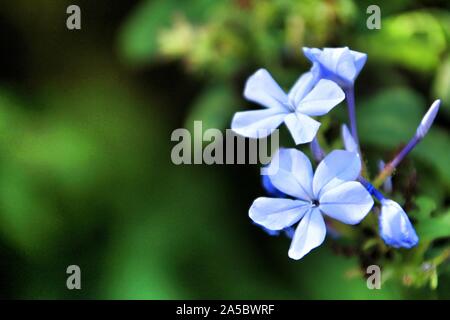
<point>395,227</point>
<point>331,191</point>
<point>307,98</point>
<point>340,65</point>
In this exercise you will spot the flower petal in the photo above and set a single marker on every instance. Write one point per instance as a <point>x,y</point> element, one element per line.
<point>302,86</point>
<point>341,65</point>
<point>270,188</point>
<point>312,54</point>
<point>331,57</point>
<point>349,202</point>
<point>290,172</point>
<point>257,123</point>
<point>340,62</point>
<point>346,67</point>
<point>338,167</point>
<point>277,214</point>
<point>360,60</point>
<point>428,119</point>
<point>302,127</point>
<point>262,88</point>
<point>322,98</point>
<point>395,227</point>
<point>349,142</point>
<point>309,234</point>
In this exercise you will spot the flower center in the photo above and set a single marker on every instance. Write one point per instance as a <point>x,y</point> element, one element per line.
<point>289,105</point>
<point>315,203</point>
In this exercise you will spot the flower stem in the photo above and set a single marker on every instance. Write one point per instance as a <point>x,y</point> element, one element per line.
<point>372,190</point>
<point>392,165</point>
<point>316,150</point>
<point>350,96</point>
<point>421,131</point>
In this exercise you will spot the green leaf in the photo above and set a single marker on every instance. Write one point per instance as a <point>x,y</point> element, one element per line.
<point>434,150</point>
<point>11,116</point>
<point>28,221</point>
<point>138,37</point>
<point>434,228</point>
<point>441,86</point>
<point>425,206</point>
<point>414,40</point>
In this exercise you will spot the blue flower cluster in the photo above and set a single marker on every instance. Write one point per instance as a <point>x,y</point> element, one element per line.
<point>300,197</point>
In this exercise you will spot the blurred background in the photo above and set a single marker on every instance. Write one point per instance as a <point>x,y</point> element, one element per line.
<point>85,123</point>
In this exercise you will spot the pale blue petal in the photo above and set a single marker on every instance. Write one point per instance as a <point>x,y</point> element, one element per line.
<point>302,86</point>
<point>289,232</point>
<point>309,234</point>
<point>290,172</point>
<point>338,61</point>
<point>345,67</point>
<point>302,127</point>
<point>341,65</point>
<point>331,57</point>
<point>257,123</point>
<point>349,202</point>
<point>360,60</point>
<point>349,142</point>
<point>277,214</point>
<point>338,167</point>
<point>337,64</point>
<point>312,54</point>
<point>395,227</point>
<point>270,188</point>
<point>262,88</point>
<point>321,99</point>
<point>428,119</point>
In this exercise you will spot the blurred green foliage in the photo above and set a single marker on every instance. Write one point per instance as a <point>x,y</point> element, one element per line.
<point>86,118</point>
